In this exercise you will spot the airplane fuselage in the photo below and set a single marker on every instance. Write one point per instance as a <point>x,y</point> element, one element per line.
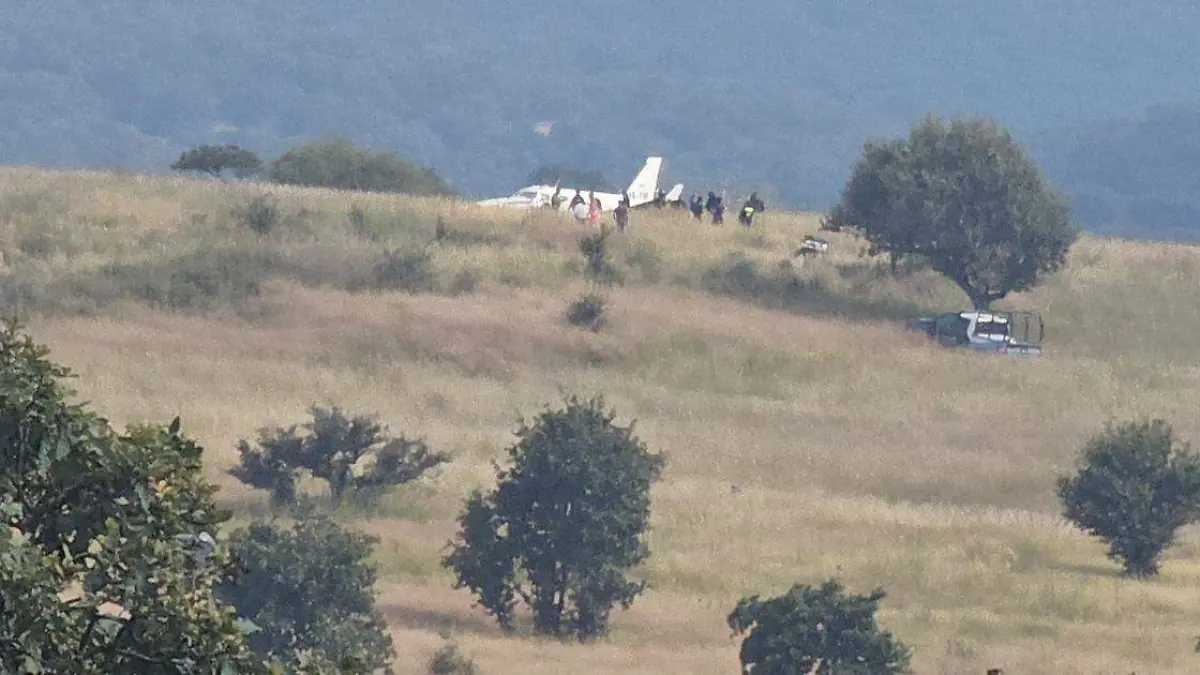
<point>641,191</point>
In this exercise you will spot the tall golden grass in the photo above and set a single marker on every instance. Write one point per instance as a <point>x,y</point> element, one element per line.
<point>807,435</point>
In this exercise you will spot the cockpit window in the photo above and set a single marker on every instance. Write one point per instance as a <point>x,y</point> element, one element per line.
<point>527,194</point>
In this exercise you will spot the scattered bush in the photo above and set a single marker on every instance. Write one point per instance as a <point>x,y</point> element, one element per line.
<point>335,450</point>
<point>410,271</point>
<point>563,525</point>
<point>196,280</point>
<point>587,312</point>
<point>449,660</point>
<point>1135,489</point>
<point>465,281</point>
<point>260,215</point>
<point>736,276</point>
<point>822,630</point>
<point>644,258</point>
<point>309,590</point>
<point>597,268</point>
<point>358,223</point>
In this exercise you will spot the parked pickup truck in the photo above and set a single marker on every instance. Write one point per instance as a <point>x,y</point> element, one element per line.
<point>1013,333</point>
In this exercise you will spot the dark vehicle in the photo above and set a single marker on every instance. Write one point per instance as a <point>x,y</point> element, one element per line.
<point>1013,333</point>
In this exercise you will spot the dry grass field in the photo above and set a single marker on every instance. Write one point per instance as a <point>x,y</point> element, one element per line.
<point>807,434</point>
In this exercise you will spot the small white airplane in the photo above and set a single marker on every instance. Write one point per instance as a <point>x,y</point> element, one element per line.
<point>643,190</point>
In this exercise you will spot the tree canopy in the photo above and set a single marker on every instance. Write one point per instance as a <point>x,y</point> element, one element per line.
<point>964,198</point>
<point>216,159</point>
<point>1135,487</point>
<point>564,524</point>
<point>309,588</point>
<point>824,627</point>
<point>108,556</point>
<point>339,164</point>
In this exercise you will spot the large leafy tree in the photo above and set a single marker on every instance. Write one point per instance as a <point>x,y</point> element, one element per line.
<point>310,590</point>
<point>821,629</point>
<point>108,559</point>
<point>966,199</point>
<point>1135,488</point>
<point>216,159</point>
<point>563,525</point>
<point>339,164</point>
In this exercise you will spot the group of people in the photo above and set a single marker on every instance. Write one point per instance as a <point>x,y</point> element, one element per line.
<point>715,206</point>
<point>590,210</point>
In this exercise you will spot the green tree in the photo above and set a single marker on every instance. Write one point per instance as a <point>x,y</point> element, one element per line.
<point>354,456</point>
<point>339,164</point>
<point>1135,489</point>
<point>964,198</point>
<point>824,628</point>
<point>107,552</point>
<point>216,159</point>
<point>563,525</point>
<point>310,591</point>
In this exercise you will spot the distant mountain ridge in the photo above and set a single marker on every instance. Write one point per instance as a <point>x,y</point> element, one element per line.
<point>755,95</point>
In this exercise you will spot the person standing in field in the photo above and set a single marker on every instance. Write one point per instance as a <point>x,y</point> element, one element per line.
<point>621,214</point>
<point>594,209</point>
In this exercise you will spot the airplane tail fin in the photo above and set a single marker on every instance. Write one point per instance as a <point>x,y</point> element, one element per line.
<point>644,185</point>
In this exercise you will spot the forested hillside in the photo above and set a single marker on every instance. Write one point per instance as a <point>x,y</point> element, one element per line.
<point>767,95</point>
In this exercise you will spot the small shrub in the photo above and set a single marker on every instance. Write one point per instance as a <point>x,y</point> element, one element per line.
<point>564,524</point>
<point>358,223</point>
<point>597,268</point>
<point>449,660</point>
<point>1135,489</point>
<point>410,271</point>
<point>646,260</point>
<point>587,312</point>
<point>39,244</point>
<point>196,280</point>
<point>466,281</point>
<point>335,450</point>
<point>824,628</point>
<point>735,276</point>
<point>261,215</point>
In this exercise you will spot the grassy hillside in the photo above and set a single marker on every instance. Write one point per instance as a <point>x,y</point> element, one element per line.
<point>773,96</point>
<point>808,436</point>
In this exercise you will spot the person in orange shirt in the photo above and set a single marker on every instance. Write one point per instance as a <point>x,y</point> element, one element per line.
<point>594,209</point>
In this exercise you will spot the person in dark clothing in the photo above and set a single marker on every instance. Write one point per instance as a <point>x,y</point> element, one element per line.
<point>621,215</point>
<point>746,215</point>
<point>556,199</point>
<point>711,203</point>
<point>697,206</point>
<point>577,200</point>
<point>718,212</point>
<point>751,206</point>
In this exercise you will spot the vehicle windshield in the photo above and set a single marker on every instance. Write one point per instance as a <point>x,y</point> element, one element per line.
<point>991,329</point>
